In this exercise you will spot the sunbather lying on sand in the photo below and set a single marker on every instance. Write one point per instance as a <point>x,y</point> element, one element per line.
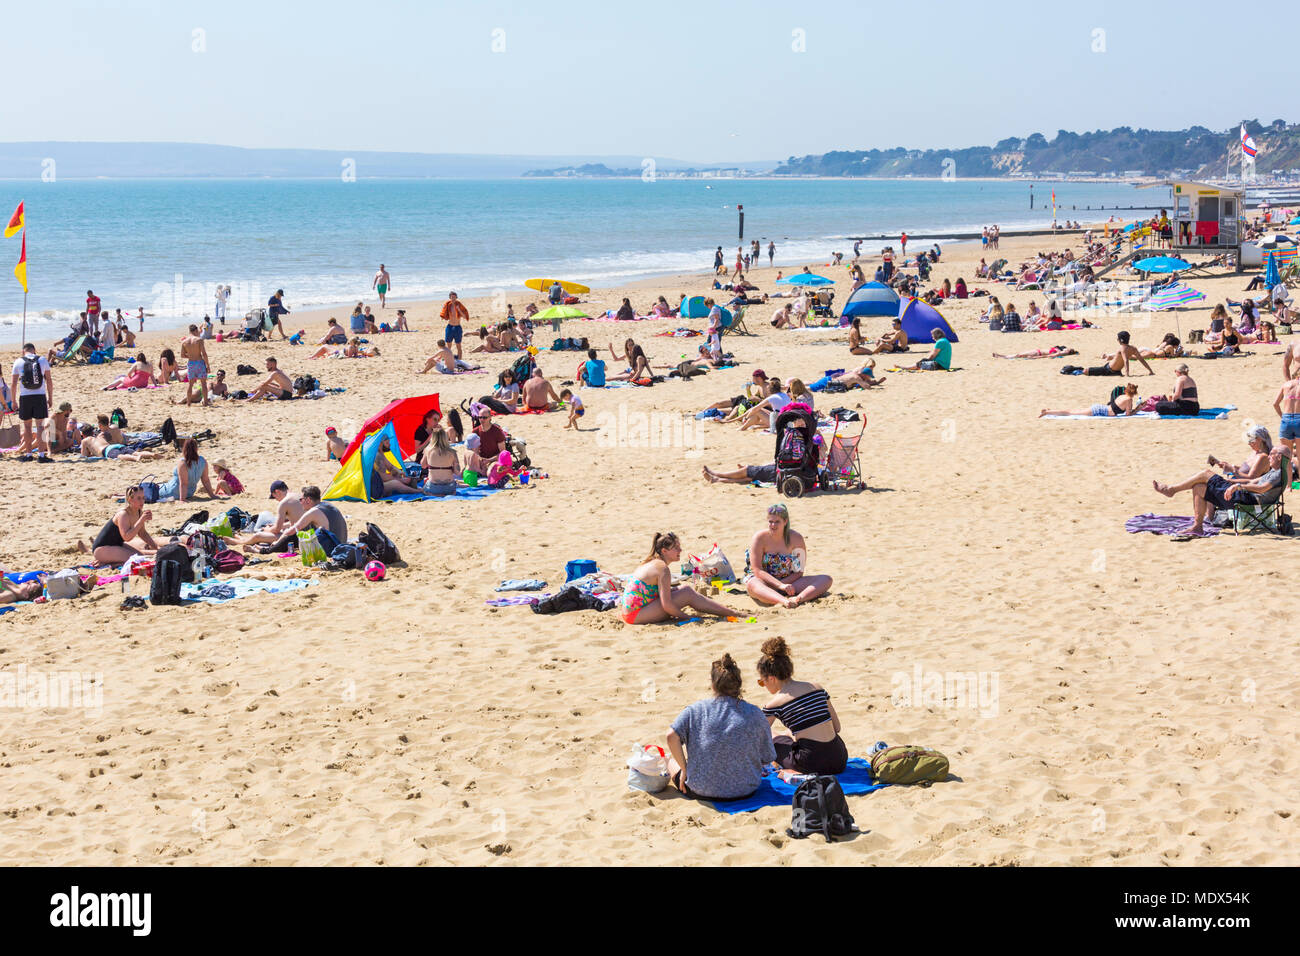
<point>1056,351</point>
<point>1123,401</point>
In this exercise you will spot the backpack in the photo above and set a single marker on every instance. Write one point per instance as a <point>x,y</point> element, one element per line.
<point>522,369</point>
<point>227,561</point>
<point>245,370</point>
<point>378,544</point>
<point>203,540</point>
<point>819,807</point>
<point>118,418</point>
<point>32,376</point>
<point>171,566</point>
<point>304,384</point>
<point>348,557</point>
<point>792,448</point>
<point>908,764</point>
<point>239,519</point>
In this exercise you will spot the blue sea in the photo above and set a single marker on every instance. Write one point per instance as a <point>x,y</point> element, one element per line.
<point>165,245</point>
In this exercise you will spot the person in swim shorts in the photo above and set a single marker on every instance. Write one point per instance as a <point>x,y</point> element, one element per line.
<point>195,351</point>
<point>453,313</point>
<point>380,285</point>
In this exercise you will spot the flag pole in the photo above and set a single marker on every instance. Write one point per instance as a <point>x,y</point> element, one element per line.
<point>24,315</point>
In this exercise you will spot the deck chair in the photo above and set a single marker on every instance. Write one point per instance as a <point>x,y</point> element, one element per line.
<point>1267,518</point>
<point>737,323</point>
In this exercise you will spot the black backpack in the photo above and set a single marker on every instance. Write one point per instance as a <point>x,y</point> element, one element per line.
<point>32,376</point>
<point>171,566</point>
<point>245,370</point>
<point>379,544</point>
<point>819,807</point>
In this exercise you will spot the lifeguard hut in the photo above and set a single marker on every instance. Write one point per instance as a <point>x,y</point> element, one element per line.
<point>1205,217</point>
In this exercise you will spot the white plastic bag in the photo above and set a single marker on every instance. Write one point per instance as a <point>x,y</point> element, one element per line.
<point>647,769</point>
<point>711,565</point>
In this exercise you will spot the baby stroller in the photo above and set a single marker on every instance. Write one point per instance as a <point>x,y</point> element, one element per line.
<point>796,450</point>
<point>254,322</point>
<point>822,304</point>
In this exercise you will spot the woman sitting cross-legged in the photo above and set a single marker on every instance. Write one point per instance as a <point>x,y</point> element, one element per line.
<point>805,709</point>
<point>649,597</point>
<point>721,745</point>
<point>777,557</point>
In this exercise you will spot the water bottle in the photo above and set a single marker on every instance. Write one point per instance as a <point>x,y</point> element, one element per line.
<point>880,745</point>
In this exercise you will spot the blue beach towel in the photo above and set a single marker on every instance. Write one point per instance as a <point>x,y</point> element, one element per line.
<point>1206,414</point>
<point>242,588</point>
<point>775,792</point>
<point>464,494</point>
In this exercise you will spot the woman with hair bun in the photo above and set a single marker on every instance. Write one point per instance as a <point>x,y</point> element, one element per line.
<point>720,745</point>
<point>649,597</point>
<point>805,710</point>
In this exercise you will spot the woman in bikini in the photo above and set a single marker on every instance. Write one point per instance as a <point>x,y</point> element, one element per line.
<point>442,462</point>
<point>776,561</point>
<point>856,345</point>
<point>1056,351</point>
<point>814,744</point>
<point>489,342</point>
<point>1122,402</point>
<point>167,369</point>
<point>112,546</point>
<point>638,364</point>
<point>649,597</point>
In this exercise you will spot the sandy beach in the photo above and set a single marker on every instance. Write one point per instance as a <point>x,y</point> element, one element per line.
<point>1142,691</point>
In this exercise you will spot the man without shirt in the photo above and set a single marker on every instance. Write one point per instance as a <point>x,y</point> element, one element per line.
<point>195,352</point>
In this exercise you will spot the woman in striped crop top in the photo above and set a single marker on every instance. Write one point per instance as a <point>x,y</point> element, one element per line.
<point>805,710</point>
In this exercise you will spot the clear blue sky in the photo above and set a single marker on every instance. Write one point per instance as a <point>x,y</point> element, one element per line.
<point>707,81</point>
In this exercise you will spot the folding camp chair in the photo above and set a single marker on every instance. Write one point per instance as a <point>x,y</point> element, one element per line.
<point>843,463</point>
<point>1269,518</point>
<point>737,323</point>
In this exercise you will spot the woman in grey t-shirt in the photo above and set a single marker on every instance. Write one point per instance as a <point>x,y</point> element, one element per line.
<point>729,741</point>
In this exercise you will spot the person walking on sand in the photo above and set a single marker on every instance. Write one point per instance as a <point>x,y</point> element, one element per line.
<point>902,243</point>
<point>223,296</point>
<point>453,313</point>
<point>275,307</point>
<point>771,253</point>
<point>381,284</point>
<point>195,352</point>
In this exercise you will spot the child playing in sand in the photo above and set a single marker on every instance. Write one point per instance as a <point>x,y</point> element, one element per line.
<point>227,483</point>
<point>501,471</point>
<point>576,410</point>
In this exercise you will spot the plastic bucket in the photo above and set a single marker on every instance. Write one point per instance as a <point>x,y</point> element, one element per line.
<point>470,478</point>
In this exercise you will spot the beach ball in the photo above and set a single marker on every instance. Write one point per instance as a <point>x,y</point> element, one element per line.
<point>375,571</point>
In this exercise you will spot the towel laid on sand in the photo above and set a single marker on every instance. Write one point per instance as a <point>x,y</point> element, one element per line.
<point>775,792</point>
<point>240,588</point>
<point>463,494</point>
<point>1207,414</point>
<point>1165,524</point>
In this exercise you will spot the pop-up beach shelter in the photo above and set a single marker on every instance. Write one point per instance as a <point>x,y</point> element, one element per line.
<point>919,319</point>
<point>405,414</point>
<point>874,298</point>
<point>693,307</point>
<point>352,483</point>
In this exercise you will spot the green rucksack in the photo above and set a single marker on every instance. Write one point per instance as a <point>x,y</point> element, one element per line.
<point>908,764</point>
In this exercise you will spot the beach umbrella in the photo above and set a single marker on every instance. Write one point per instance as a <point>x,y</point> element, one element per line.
<point>1271,275</point>
<point>560,312</point>
<point>1173,296</point>
<point>1161,264</point>
<point>805,278</point>
<point>544,285</point>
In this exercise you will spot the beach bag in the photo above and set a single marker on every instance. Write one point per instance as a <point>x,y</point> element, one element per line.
<point>238,519</point>
<point>171,566</point>
<point>819,807</point>
<point>378,544</point>
<point>150,490</point>
<point>347,557</point>
<point>908,764</point>
<point>63,585</point>
<point>245,370</point>
<point>311,553</point>
<point>712,564</point>
<point>203,541</point>
<point>578,568</point>
<point>647,769</point>
<point>227,561</point>
<point>220,526</point>
<point>10,435</point>
<point>118,418</point>
<point>1150,404</point>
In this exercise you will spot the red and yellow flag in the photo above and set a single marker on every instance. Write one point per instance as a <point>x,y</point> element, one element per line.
<point>20,270</point>
<point>16,221</point>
